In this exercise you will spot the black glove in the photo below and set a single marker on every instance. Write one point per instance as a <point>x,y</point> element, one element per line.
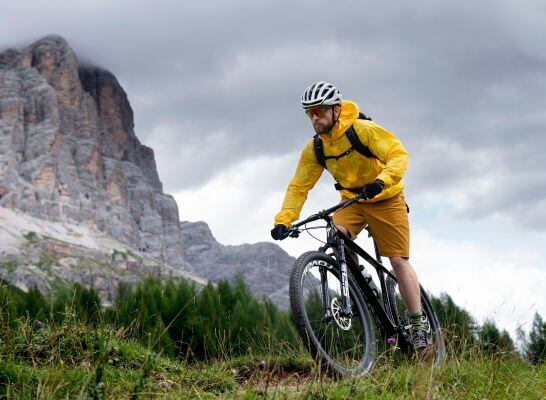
<point>279,232</point>
<point>373,189</point>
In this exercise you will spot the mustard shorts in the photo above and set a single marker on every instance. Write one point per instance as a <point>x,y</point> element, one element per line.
<point>387,221</point>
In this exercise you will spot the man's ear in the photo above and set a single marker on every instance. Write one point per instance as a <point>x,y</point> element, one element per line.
<point>337,110</point>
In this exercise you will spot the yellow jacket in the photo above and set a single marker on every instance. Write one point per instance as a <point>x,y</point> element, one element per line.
<point>352,171</point>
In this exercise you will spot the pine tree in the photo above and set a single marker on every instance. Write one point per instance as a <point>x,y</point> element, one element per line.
<point>537,341</point>
<point>493,341</point>
<point>457,324</point>
<point>35,305</point>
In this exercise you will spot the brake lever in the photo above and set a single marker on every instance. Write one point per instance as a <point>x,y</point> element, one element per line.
<point>292,232</point>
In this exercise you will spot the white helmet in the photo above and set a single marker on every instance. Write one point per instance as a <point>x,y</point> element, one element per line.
<point>320,94</point>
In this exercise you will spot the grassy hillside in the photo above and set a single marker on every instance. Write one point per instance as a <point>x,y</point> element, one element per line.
<point>78,361</point>
<point>221,343</point>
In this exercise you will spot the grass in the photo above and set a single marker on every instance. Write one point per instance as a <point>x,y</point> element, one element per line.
<point>10,266</point>
<point>31,237</point>
<point>77,361</point>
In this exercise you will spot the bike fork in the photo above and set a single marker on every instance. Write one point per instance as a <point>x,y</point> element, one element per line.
<point>325,295</point>
<point>344,280</point>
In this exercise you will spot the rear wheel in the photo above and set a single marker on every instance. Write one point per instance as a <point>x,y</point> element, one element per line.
<point>400,316</point>
<point>346,342</point>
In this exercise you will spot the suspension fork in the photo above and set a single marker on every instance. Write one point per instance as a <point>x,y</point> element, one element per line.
<point>346,308</point>
<point>325,294</point>
<point>338,244</point>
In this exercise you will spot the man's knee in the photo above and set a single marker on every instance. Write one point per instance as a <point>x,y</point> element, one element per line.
<point>398,262</point>
<point>344,230</point>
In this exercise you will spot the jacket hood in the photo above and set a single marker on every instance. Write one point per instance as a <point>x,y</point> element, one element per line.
<point>349,114</point>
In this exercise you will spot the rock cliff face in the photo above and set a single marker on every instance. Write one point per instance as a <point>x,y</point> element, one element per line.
<point>264,266</point>
<point>68,150</point>
<point>69,155</point>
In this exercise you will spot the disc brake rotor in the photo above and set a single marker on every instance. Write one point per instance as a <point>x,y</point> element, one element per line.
<point>336,307</point>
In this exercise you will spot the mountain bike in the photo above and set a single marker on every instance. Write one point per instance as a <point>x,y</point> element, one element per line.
<point>341,314</point>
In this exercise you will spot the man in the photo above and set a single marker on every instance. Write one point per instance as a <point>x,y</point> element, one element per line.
<point>377,172</point>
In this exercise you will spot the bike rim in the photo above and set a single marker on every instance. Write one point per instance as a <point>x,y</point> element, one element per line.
<point>342,340</point>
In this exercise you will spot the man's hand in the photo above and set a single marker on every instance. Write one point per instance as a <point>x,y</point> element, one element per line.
<point>279,232</point>
<point>373,189</point>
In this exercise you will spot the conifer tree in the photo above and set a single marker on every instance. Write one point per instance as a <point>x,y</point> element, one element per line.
<point>537,341</point>
<point>35,305</point>
<point>494,341</point>
<point>457,324</point>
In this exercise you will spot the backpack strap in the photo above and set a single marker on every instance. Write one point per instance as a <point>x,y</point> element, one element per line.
<point>319,150</point>
<point>362,116</point>
<point>357,144</point>
<point>354,190</point>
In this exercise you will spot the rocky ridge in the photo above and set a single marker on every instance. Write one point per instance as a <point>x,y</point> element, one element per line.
<point>41,254</point>
<point>264,266</point>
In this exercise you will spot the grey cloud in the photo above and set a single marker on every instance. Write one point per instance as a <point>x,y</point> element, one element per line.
<point>217,83</point>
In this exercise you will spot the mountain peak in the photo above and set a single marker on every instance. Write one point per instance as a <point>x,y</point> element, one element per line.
<point>71,152</point>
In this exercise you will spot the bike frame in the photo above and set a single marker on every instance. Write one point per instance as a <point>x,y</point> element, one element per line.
<point>339,242</point>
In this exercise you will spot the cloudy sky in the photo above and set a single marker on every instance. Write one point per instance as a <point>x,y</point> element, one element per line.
<point>215,87</point>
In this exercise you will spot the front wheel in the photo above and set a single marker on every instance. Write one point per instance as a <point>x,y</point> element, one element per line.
<point>400,316</point>
<point>345,342</point>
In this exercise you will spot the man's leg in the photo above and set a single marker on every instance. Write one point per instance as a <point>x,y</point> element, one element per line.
<point>407,283</point>
<point>389,226</point>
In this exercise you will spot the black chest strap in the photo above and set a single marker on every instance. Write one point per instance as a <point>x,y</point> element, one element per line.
<point>319,152</point>
<point>356,144</point>
<point>353,138</point>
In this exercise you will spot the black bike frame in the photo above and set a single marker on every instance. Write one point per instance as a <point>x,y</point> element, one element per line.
<point>343,241</point>
<point>339,242</point>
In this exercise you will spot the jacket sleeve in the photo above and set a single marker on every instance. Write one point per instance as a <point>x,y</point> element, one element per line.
<point>307,174</point>
<point>388,148</point>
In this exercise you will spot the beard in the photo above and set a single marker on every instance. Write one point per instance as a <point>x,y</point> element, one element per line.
<point>323,128</point>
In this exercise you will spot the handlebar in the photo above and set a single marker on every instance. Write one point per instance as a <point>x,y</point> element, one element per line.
<point>293,231</point>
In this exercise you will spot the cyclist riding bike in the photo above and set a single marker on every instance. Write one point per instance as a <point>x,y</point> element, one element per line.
<point>363,157</point>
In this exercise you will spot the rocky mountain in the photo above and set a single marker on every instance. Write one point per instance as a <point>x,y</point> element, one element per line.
<point>264,266</point>
<point>69,154</point>
<point>68,150</point>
